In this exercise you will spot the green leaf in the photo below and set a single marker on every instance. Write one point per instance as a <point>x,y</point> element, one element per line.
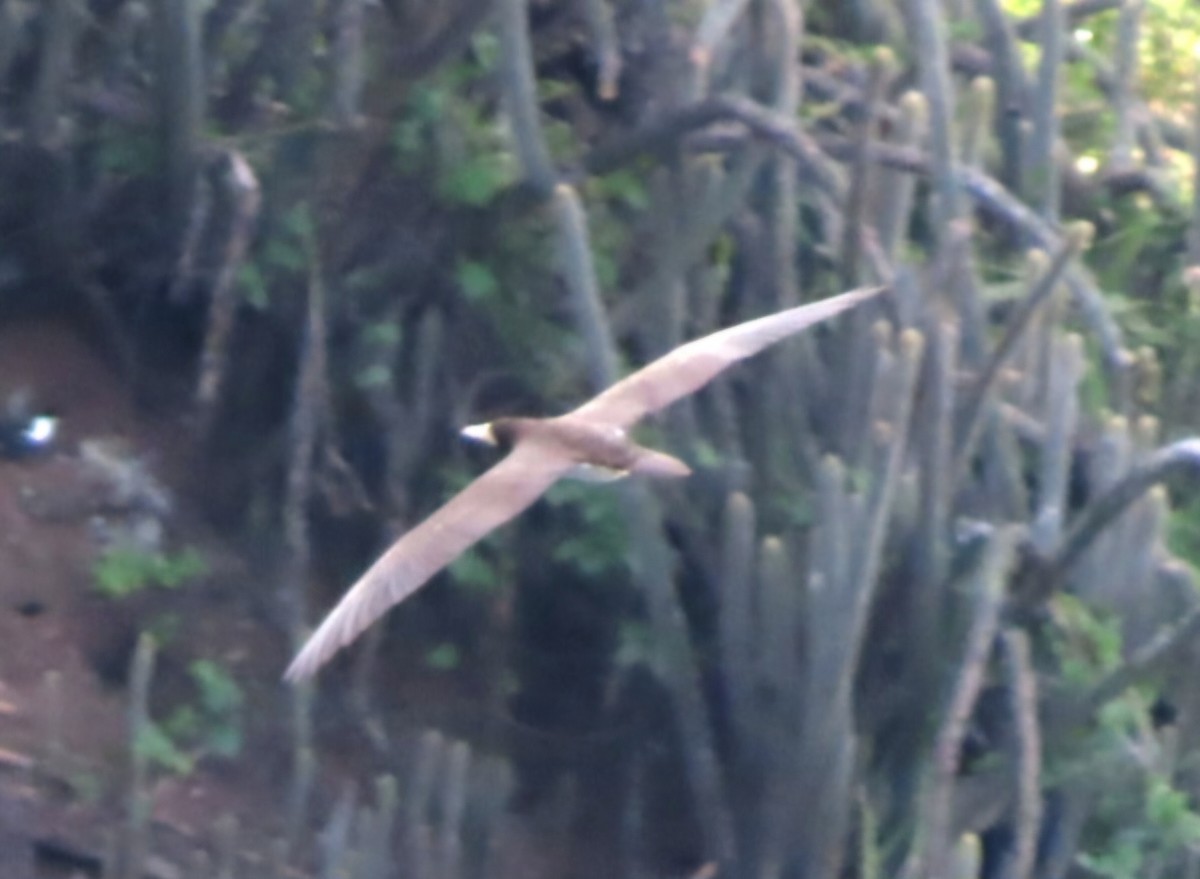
<point>473,570</point>
<point>152,743</point>
<point>299,222</point>
<point>475,181</point>
<point>477,281</point>
<point>173,571</point>
<point>123,570</point>
<point>485,46</point>
<point>601,546</point>
<point>183,724</point>
<point>219,692</point>
<point>383,334</point>
<point>279,253</point>
<point>225,741</point>
<point>408,140</point>
<point>444,657</point>
<point>128,154</point>
<point>428,102</point>
<point>253,286</point>
<point>624,187</point>
<point>377,376</point>
<point>706,454</point>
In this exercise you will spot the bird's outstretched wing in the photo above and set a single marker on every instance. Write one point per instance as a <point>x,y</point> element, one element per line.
<point>689,367</point>
<point>491,500</point>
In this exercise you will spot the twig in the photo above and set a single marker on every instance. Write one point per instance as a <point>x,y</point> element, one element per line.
<point>192,238</point>
<point>784,195</point>
<point>718,20</point>
<point>304,427</point>
<point>10,31</point>
<point>605,47</point>
<point>1110,460</point>
<point>227,836</point>
<point>990,582</point>
<point>1012,87</point>
<point>60,26</point>
<point>1063,409</point>
<point>669,129</point>
<point>52,706</point>
<point>333,843</point>
<point>855,222</point>
<point>1125,84</point>
<point>1042,184</point>
<point>811,152</point>
<point>736,619</point>
<point>347,65</point>
<point>933,442</point>
<point>667,619</point>
<point>956,254</point>
<point>1074,13</point>
<point>836,639</point>
<point>141,675</point>
<point>1024,701</point>
<point>305,424</point>
<point>455,34</point>
<point>520,89</point>
<point>1193,236</point>
<point>1147,660</point>
<point>801,383</point>
<point>304,772</point>
<point>19,848</point>
<point>292,29</point>
<point>580,274</point>
<point>895,207</point>
<point>240,202</point>
<point>1020,321</point>
<point>1163,465</point>
<point>181,105</point>
<point>376,860</point>
<point>781,611</point>
<point>979,109</point>
<point>225,16</point>
<point>453,801</point>
<point>926,30</point>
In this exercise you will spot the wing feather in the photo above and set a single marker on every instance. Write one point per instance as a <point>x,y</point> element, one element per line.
<point>689,367</point>
<point>491,500</point>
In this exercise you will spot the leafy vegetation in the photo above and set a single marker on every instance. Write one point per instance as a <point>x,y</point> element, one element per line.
<point>124,570</point>
<point>811,629</point>
<point>443,657</point>
<point>210,725</point>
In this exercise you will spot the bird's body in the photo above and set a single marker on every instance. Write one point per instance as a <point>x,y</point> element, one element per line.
<point>590,442</point>
<point>597,452</point>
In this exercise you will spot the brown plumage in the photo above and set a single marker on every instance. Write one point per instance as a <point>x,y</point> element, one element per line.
<point>589,443</point>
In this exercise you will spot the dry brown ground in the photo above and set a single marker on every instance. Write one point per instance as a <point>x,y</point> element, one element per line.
<point>73,800</point>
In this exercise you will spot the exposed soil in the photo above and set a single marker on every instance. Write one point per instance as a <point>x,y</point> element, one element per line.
<point>65,652</point>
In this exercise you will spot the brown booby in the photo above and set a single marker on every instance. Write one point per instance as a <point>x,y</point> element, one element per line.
<point>589,443</point>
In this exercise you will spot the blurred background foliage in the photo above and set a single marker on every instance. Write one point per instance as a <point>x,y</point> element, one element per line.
<point>928,605</point>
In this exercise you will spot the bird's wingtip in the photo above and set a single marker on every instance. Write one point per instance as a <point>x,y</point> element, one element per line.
<point>852,298</point>
<point>296,673</point>
<point>304,665</point>
<point>866,292</point>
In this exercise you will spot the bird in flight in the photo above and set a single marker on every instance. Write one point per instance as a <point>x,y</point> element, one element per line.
<point>589,443</point>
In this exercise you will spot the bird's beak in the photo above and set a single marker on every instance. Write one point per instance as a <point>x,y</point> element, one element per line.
<point>41,430</point>
<point>480,433</point>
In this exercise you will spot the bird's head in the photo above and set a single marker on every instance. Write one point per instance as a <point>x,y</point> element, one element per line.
<point>481,433</point>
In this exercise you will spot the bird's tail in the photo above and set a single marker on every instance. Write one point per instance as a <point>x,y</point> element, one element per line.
<point>660,465</point>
